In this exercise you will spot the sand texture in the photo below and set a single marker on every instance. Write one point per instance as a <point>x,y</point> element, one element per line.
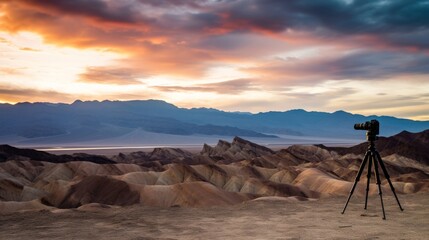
<point>269,218</point>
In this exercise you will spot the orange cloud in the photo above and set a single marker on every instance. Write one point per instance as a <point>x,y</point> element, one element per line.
<point>10,71</point>
<point>110,75</point>
<point>265,41</point>
<point>155,51</point>
<point>159,40</point>
<point>15,94</point>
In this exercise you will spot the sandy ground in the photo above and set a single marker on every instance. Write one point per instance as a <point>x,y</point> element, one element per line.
<point>264,219</point>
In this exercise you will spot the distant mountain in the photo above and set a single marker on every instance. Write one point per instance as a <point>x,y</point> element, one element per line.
<point>92,120</point>
<point>410,145</point>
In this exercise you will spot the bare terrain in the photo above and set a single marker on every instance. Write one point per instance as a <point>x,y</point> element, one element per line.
<point>271,218</point>
<point>235,189</point>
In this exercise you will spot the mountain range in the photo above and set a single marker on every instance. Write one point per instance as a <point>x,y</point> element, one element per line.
<point>133,122</point>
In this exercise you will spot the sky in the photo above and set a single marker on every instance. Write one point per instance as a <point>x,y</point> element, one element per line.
<point>361,56</point>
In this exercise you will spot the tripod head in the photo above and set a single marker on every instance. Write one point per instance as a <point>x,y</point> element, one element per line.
<point>372,127</point>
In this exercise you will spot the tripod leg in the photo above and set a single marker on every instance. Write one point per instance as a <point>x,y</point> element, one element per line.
<point>377,175</point>
<point>368,176</point>
<point>362,166</point>
<point>386,175</point>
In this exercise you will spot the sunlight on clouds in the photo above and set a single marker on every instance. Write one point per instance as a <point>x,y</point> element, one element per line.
<point>53,69</point>
<point>302,53</point>
<point>162,80</point>
<point>394,97</point>
<point>317,89</point>
<point>189,100</point>
<point>49,67</point>
<point>420,117</point>
<point>222,73</point>
<point>214,75</point>
<point>117,92</point>
<point>221,54</point>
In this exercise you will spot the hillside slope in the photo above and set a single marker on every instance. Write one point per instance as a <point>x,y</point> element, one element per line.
<point>228,173</point>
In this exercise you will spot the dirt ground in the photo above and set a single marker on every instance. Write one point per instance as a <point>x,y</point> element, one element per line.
<point>264,219</point>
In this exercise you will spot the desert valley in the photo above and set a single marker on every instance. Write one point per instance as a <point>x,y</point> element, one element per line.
<point>214,119</point>
<point>167,193</point>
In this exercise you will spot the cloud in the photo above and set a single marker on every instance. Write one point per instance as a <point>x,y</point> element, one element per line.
<point>410,106</point>
<point>375,65</point>
<point>3,40</point>
<point>236,86</point>
<point>109,11</point>
<point>110,75</point>
<point>187,38</point>
<point>29,49</point>
<point>329,18</point>
<point>10,71</point>
<point>333,17</point>
<point>357,65</point>
<point>14,94</point>
<point>417,40</point>
<point>360,40</point>
<point>176,3</point>
<point>158,48</point>
<point>17,94</point>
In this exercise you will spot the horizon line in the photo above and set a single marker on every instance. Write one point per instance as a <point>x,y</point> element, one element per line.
<point>217,109</point>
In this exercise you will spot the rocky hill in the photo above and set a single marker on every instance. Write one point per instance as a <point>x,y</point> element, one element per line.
<point>410,145</point>
<point>228,173</point>
<point>8,153</point>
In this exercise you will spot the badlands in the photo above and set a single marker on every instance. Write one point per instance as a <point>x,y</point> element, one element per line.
<point>234,190</point>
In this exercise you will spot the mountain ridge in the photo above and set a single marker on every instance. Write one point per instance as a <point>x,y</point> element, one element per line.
<point>407,144</point>
<point>93,120</point>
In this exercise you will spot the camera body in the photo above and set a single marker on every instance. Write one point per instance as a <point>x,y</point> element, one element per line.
<point>372,127</point>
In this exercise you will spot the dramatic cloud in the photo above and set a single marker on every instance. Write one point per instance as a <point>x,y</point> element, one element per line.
<point>190,48</point>
<point>333,17</point>
<point>101,10</point>
<point>359,65</point>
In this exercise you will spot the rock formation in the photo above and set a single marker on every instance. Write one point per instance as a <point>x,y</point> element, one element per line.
<point>228,173</point>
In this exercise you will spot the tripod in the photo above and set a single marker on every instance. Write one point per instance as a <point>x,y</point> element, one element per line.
<point>372,157</point>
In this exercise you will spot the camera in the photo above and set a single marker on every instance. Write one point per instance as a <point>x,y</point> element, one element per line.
<point>373,127</point>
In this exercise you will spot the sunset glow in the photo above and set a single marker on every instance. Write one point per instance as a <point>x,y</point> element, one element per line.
<point>366,57</point>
